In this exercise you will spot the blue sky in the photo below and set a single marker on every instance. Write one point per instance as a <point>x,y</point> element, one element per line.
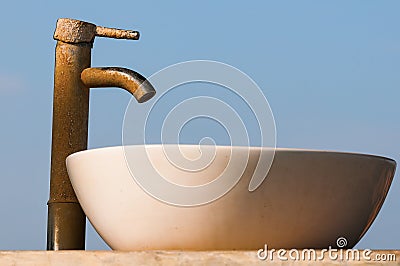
<point>330,71</point>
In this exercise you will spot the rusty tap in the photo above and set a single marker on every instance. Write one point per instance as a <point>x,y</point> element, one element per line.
<point>73,77</point>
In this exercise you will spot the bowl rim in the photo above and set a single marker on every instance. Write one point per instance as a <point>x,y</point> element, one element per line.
<point>277,149</point>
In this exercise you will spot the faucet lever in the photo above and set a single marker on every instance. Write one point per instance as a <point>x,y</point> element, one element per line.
<point>76,31</point>
<point>117,33</point>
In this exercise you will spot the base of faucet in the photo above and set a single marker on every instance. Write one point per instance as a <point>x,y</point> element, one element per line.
<point>66,226</point>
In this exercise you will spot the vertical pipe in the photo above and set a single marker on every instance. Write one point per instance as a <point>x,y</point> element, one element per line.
<point>66,220</point>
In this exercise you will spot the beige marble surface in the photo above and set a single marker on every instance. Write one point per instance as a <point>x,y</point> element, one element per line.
<point>173,258</point>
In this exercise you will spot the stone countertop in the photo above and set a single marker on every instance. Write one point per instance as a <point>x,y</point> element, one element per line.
<point>388,257</point>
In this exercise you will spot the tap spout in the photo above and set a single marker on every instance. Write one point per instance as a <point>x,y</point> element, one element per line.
<point>133,82</point>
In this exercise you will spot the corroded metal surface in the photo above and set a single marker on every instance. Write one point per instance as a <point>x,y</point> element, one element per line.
<point>69,135</point>
<point>66,220</point>
<point>117,33</point>
<point>70,115</point>
<point>124,78</point>
<point>76,31</point>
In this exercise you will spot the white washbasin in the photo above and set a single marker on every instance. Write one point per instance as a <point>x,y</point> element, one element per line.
<point>308,200</point>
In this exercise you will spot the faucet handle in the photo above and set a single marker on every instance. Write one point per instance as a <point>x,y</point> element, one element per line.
<point>117,33</point>
<point>76,31</point>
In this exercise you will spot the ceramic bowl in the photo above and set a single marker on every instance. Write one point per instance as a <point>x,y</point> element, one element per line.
<point>308,200</point>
